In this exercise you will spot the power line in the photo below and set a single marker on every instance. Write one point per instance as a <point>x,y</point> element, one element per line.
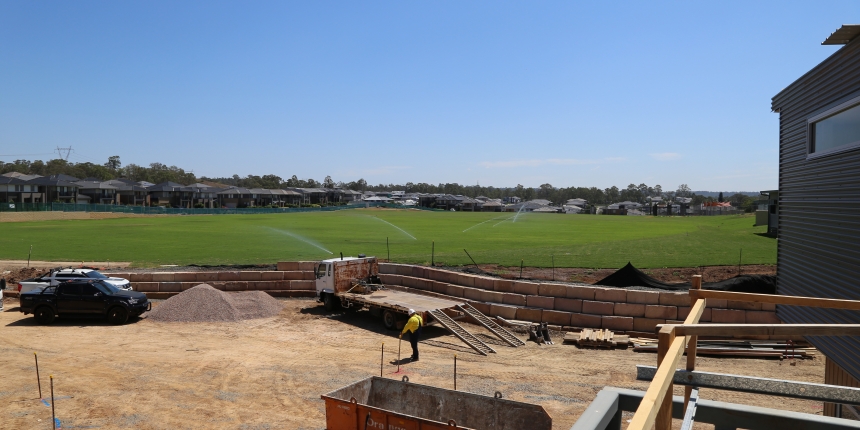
<point>67,150</point>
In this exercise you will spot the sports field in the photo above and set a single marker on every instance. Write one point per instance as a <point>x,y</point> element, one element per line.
<point>572,240</point>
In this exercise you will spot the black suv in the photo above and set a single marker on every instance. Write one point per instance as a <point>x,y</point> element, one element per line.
<point>84,297</point>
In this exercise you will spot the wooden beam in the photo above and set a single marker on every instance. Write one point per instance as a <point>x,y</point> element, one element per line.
<point>780,300</point>
<point>765,329</point>
<point>664,407</point>
<point>692,341</point>
<point>646,413</point>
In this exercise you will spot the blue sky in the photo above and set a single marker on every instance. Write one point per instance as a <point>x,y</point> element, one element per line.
<point>496,93</point>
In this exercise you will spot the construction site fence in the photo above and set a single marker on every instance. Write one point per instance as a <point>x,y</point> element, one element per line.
<point>158,210</point>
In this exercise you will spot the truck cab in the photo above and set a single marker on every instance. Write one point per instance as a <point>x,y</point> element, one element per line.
<point>340,275</point>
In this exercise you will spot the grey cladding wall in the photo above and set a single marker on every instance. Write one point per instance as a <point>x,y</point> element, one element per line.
<point>819,212</point>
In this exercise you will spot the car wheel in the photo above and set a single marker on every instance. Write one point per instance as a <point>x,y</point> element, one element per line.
<point>389,320</point>
<point>331,302</point>
<point>44,315</point>
<point>117,315</point>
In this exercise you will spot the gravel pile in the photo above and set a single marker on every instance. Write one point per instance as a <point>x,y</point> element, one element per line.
<point>206,304</point>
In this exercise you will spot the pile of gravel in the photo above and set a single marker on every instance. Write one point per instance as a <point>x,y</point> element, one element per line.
<point>203,303</point>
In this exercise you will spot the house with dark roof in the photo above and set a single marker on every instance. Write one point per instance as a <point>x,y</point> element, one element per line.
<point>95,191</point>
<point>165,194</point>
<point>129,192</point>
<point>54,188</point>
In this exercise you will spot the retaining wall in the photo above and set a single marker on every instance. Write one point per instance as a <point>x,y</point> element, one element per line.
<point>572,305</point>
<point>293,278</point>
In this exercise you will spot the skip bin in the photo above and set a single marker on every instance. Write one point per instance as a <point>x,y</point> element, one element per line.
<point>387,404</point>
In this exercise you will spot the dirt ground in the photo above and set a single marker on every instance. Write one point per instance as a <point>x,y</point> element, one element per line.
<point>269,373</point>
<point>667,274</point>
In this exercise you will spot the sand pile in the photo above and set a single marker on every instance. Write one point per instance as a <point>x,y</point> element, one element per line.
<point>206,304</point>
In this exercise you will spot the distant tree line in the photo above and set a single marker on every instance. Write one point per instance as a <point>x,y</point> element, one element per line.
<point>157,173</point>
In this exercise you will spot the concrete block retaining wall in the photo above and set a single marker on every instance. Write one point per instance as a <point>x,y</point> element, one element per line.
<point>293,278</point>
<point>572,305</point>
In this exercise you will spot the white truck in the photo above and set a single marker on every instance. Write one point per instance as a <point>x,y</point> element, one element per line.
<point>352,283</point>
<point>55,276</point>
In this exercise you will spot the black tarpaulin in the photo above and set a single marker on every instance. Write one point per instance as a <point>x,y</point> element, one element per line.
<point>629,276</point>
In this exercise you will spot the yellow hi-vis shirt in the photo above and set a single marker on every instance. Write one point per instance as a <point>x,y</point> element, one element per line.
<point>414,322</point>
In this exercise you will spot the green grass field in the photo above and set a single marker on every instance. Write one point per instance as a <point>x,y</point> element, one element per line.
<point>573,240</point>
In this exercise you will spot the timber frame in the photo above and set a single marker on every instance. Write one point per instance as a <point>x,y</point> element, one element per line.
<point>655,410</point>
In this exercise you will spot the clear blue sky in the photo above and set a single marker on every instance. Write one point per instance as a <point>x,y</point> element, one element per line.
<point>501,93</point>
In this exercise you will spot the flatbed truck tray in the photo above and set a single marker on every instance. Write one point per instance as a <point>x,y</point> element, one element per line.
<point>401,301</point>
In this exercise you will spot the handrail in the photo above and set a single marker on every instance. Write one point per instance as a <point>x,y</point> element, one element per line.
<point>777,299</point>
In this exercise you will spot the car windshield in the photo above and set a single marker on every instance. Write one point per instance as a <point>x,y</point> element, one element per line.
<point>95,275</point>
<point>105,287</point>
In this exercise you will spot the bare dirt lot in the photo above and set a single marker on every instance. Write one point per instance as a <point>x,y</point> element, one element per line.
<point>269,373</point>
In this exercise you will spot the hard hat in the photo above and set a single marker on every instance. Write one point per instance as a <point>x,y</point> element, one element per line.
<point>411,311</point>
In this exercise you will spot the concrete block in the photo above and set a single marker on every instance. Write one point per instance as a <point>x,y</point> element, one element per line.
<point>616,323</point>
<point>513,299</point>
<point>597,308</point>
<point>283,285</point>
<point>303,285</point>
<point>123,275</point>
<point>582,293</point>
<point>529,314</point>
<point>629,310</point>
<point>455,290</point>
<point>540,302</point>
<point>271,276</point>
<point>503,285</point>
<point>228,276</point>
<point>466,280</point>
<point>585,320</point>
<point>308,266</point>
<point>418,272</point>
<point>728,316</point>
<point>767,307</point>
<point>568,305</point>
<point>552,290</point>
<point>492,296</point>
<point>169,287</point>
<point>439,287</point>
<point>250,276</point>
<point>209,276</point>
<point>145,287</point>
<point>661,312</point>
<point>504,311</point>
<point>140,277</point>
<point>425,284</point>
<point>449,277</point>
<point>762,317</point>
<point>294,265</point>
<point>717,303</point>
<point>646,324</point>
<point>189,285</point>
<point>408,281</point>
<point>526,288</point>
<point>484,283</point>
<point>674,299</point>
<point>184,277</point>
<point>384,278</point>
<point>434,274</point>
<point>643,297</point>
<point>747,306</point>
<point>472,293</point>
<point>556,317</point>
<point>237,286</point>
<point>299,276</point>
<point>162,277</point>
<point>218,285</point>
<point>615,295</point>
<point>482,307</point>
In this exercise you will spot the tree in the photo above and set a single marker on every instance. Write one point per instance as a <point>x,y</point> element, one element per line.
<point>720,198</point>
<point>113,162</point>
<point>328,182</point>
<point>683,191</point>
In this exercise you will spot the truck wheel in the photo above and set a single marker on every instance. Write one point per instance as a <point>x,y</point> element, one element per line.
<point>44,315</point>
<point>331,302</point>
<point>389,320</point>
<point>117,315</point>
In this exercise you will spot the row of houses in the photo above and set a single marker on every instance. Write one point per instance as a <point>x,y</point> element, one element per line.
<point>20,188</point>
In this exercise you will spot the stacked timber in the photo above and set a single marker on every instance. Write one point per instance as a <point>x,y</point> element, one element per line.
<point>740,348</point>
<point>597,338</point>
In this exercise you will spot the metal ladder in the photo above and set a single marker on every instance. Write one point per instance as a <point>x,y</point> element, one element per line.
<point>503,333</point>
<point>460,332</point>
